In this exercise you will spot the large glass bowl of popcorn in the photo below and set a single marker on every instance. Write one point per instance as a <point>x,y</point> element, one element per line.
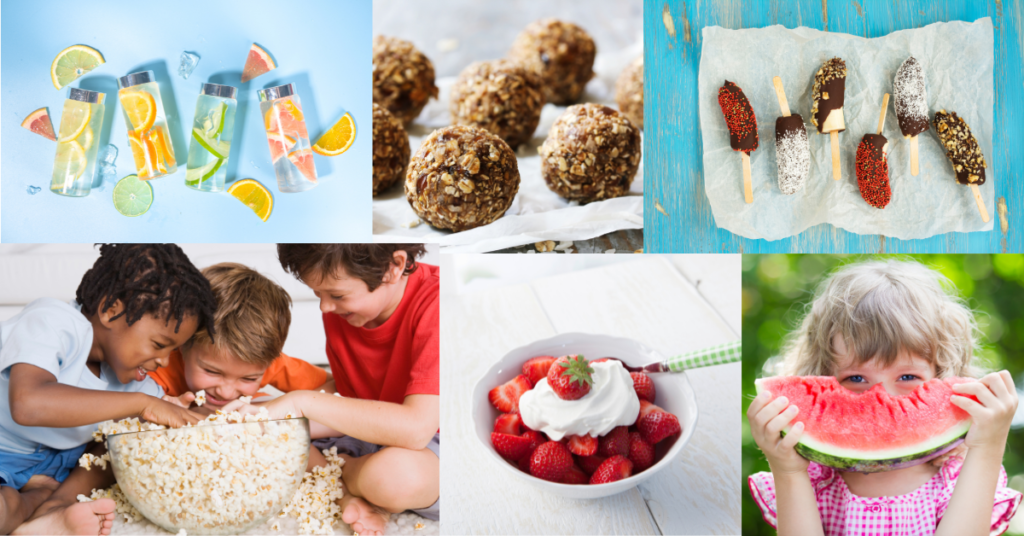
<point>225,475</point>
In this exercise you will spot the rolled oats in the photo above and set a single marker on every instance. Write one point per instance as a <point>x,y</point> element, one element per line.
<point>629,92</point>
<point>501,96</point>
<point>390,149</point>
<point>403,78</point>
<point>561,53</point>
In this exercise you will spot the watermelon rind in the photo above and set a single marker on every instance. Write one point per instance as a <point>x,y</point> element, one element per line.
<point>878,460</point>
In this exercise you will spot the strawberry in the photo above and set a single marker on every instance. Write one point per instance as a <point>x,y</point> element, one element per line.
<point>570,377</point>
<point>536,439</point>
<point>575,476</point>
<point>508,423</point>
<point>641,453</point>
<point>524,464</point>
<point>656,424</point>
<point>551,461</point>
<point>537,368</point>
<point>643,386</point>
<point>589,464</point>
<point>584,445</point>
<point>506,397</point>
<point>614,443</point>
<point>510,447</point>
<point>614,468</point>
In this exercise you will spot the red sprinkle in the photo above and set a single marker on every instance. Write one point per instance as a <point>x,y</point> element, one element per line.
<point>873,176</point>
<point>739,115</point>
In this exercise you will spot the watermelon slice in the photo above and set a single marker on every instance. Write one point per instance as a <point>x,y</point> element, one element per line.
<point>258,62</point>
<point>871,431</point>
<point>39,122</point>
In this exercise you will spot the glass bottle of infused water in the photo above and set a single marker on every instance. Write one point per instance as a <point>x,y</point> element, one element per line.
<point>78,139</point>
<point>290,149</point>
<point>210,146</point>
<point>148,136</point>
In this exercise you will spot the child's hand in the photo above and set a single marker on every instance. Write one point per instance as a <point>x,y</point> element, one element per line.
<point>279,408</point>
<point>992,414</point>
<point>184,400</point>
<point>168,414</point>
<point>767,419</point>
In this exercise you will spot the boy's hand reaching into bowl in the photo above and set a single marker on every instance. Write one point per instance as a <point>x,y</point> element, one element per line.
<point>992,413</point>
<point>183,401</point>
<point>282,407</point>
<point>169,414</point>
<point>767,418</point>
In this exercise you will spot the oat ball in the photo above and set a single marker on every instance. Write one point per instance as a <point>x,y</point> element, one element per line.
<point>561,53</point>
<point>501,96</point>
<point>403,78</point>
<point>462,177</point>
<point>591,153</point>
<point>629,92</point>
<point>390,149</point>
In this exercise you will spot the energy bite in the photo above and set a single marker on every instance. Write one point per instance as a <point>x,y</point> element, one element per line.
<point>403,78</point>
<point>592,152</point>
<point>390,149</point>
<point>462,177</point>
<point>561,53</point>
<point>501,96</point>
<point>629,92</point>
<point>961,148</point>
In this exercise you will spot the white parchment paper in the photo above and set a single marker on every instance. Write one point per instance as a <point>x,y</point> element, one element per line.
<point>957,58</point>
<point>537,213</point>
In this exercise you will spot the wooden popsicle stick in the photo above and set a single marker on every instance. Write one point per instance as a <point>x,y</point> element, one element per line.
<point>981,204</point>
<point>748,192</point>
<point>837,173</point>
<point>913,156</point>
<point>781,94</point>
<point>881,118</point>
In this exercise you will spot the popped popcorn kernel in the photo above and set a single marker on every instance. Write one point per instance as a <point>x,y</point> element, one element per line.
<point>419,526</point>
<point>201,397</point>
<point>245,399</point>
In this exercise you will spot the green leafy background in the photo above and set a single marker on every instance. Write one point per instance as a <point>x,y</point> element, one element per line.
<point>776,287</point>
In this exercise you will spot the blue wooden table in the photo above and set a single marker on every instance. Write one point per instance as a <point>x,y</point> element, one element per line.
<point>677,215</point>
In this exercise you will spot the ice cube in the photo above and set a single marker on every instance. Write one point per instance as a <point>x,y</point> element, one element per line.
<point>33,190</point>
<point>189,60</point>
<point>108,154</point>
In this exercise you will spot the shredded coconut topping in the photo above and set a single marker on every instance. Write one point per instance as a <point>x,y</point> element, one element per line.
<point>910,97</point>
<point>793,154</point>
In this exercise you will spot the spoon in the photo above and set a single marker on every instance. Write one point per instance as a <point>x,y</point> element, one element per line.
<point>730,352</point>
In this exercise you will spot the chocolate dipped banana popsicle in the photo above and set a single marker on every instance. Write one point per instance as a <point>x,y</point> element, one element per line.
<point>911,105</point>
<point>792,148</point>
<point>963,152</point>
<point>739,117</point>
<point>872,167</point>
<point>827,108</point>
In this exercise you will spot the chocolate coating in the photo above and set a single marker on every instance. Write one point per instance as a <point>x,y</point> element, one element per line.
<point>878,143</point>
<point>836,89</point>
<point>792,153</point>
<point>739,116</point>
<point>962,148</point>
<point>910,98</point>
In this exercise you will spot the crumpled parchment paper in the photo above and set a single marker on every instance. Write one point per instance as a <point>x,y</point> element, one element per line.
<point>957,58</point>
<point>537,213</point>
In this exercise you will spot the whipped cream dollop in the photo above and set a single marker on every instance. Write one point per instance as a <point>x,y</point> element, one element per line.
<point>611,402</point>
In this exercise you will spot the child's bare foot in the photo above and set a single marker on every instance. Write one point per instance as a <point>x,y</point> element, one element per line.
<point>40,482</point>
<point>365,518</point>
<point>93,517</point>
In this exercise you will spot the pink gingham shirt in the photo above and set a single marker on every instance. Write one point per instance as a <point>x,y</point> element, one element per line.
<point>916,513</point>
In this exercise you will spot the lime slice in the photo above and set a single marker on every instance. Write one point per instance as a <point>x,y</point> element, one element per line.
<point>217,148</point>
<point>197,175</point>
<point>218,118</point>
<point>132,197</point>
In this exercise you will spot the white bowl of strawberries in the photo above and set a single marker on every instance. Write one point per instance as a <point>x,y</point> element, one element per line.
<point>578,465</point>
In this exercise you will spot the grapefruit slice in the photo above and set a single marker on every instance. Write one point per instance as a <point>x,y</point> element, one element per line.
<point>285,117</point>
<point>254,195</point>
<point>303,159</point>
<point>73,62</point>
<point>39,122</point>
<point>140,107</point>
<point>338,139</point>
<point>871,431</point>
<point>279,145</point>
<point>258,62</point>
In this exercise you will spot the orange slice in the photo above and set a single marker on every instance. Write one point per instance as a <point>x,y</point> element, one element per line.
<point>285,117</point>
<point>163,147</point>
<point>303,159</point>
<point>254,195</point>
<point>144,153</point>
<point>153,139</point>
<point>258,62</point>
<point>279,145</point>
<point>338,139</point>
<point>140,107</point>
<point>39,122</point>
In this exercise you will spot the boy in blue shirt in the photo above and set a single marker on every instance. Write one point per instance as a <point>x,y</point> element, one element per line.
<point>66,366</point>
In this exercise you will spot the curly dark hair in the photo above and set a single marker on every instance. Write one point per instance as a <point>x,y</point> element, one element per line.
<point>147,278</point>
<point>368,262</point>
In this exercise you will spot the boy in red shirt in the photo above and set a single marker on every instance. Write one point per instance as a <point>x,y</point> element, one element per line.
<point>381,315</point>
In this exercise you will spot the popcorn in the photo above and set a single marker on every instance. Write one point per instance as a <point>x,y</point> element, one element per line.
<point>182,532</point>
<point>419,526</point>
<point>314,503</point>
<point>201,397</point>
<point>245,399</point>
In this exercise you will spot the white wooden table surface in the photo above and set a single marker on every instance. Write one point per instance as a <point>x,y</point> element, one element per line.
<point>671,303</point>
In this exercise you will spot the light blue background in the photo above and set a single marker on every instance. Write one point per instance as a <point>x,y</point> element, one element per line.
<point>321,47</point>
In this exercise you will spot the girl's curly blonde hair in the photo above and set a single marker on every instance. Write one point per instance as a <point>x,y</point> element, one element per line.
<point>883,309</point>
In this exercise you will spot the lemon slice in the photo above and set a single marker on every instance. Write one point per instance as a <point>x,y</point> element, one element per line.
<point>132,197</point>
<point>70,157</point>
<point>86,138</point>
<point>140,107</point>
<point>74,120</point>
<point>254,195</point>
<point>73,62</point>
<point>338,139</point>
